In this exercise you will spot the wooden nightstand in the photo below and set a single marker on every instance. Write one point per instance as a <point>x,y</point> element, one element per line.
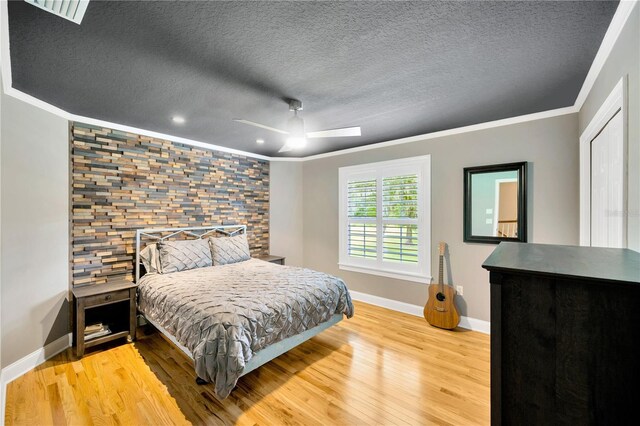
<point>112,304</point>
<point>279,260</point>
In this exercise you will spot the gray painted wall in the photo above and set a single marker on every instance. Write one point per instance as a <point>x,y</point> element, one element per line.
<point>34,229</point>
<point>285,216</point>
<point>623,60</point>
<point>551,147</point>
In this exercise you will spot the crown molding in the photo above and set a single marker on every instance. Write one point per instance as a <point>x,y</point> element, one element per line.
<point>124,128</point>
<point>625,7</point>
<point>5,57</point>
<point>451,132</point>
<point>613,32</point>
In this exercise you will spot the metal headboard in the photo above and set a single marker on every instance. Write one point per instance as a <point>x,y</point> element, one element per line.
<point>198,232</point>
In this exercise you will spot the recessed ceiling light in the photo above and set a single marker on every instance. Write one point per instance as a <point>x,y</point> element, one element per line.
<point>178,120</point>
<point>260,141</point>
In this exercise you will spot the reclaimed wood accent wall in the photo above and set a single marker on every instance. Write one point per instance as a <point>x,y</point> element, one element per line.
<point>123,181</point>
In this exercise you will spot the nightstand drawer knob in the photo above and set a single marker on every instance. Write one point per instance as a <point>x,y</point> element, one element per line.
<point>107,297</point>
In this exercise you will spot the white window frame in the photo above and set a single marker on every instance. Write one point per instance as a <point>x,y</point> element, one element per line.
<point>422,167</point>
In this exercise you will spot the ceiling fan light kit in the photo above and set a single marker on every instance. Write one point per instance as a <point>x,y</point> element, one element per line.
<point>295,125</point>
<point>295,129</point>
<point>295,105</point>
<point>296,142</point>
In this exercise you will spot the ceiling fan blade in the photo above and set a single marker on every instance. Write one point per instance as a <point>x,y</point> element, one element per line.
<point>262,126</point>
<point>336,133</point>
<point>285,148</point>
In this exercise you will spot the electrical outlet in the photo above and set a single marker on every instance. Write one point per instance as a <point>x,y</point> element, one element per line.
<point>460,290</point>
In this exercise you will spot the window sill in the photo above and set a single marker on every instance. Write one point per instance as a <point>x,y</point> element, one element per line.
<point>389,274</point>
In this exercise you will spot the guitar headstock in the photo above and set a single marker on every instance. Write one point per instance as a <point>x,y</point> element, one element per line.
<point>441,247</point>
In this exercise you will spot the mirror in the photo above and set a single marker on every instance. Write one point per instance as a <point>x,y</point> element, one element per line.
<point>495,203</point>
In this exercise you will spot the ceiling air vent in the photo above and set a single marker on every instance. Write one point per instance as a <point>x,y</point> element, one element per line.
<point>73,10</point>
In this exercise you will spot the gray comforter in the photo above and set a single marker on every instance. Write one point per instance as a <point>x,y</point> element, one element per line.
<point>224,314</point>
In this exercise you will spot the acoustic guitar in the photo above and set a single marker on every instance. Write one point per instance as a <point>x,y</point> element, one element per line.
<point>440,310</point>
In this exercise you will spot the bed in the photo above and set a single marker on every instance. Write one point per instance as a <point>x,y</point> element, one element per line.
<point>232,318</point>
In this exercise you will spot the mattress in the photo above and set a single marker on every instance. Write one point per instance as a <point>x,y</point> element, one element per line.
<point>225,314</point>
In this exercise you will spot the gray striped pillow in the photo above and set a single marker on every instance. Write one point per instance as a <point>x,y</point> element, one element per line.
<point>225,250</point>
<point>178,256</point>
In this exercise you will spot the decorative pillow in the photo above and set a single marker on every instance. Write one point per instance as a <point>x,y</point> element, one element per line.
<point>178,256</point>
<point>150,258</point>
<point>229,249</point>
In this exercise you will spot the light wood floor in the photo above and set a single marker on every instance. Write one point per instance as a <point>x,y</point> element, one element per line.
<point>380,367</point>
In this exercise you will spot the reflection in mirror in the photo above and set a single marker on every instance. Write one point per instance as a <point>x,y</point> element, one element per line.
<point>495,200</point>
<point>494,204</point>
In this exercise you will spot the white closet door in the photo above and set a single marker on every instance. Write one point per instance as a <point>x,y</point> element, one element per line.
<point>607,186</point>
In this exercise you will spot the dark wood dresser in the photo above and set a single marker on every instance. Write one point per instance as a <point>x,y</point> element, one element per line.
<point>565,335</point>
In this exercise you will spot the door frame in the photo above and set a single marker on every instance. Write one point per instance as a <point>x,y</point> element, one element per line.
<point>616,101</point>
<point>497,199</point>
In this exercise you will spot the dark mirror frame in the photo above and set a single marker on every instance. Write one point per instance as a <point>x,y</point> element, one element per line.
<point>521,168</point>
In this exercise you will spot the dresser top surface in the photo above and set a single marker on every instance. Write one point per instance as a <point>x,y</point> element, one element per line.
<point>593,263</point>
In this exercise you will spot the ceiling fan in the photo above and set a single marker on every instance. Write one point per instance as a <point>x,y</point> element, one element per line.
<point>295,129</point>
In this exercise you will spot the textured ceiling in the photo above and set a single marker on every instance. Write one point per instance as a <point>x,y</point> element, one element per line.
<point>395,68</point>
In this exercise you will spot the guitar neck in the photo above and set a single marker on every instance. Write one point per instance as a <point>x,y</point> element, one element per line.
<point>441,272</point>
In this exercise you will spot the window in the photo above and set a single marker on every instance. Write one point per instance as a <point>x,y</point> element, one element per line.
<point>385,218</point>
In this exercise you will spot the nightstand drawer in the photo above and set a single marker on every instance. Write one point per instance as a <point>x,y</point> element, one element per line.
<point>103,299</point>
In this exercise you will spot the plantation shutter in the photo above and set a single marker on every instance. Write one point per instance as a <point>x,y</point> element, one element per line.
<point>385,218</point>
<point>362,206</point>
<point>400,218</point>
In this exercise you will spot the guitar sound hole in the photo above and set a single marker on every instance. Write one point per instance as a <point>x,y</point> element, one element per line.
<point>440,297</point>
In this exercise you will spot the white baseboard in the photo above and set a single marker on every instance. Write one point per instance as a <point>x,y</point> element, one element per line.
<point>407,308</point>
<point>475,324</point>
<point>35,358</point>
<point>28,363</point>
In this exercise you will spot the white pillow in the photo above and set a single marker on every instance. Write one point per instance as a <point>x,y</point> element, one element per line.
<point>178,256</point>
<point>150,258</point>
<point>225,250</point>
